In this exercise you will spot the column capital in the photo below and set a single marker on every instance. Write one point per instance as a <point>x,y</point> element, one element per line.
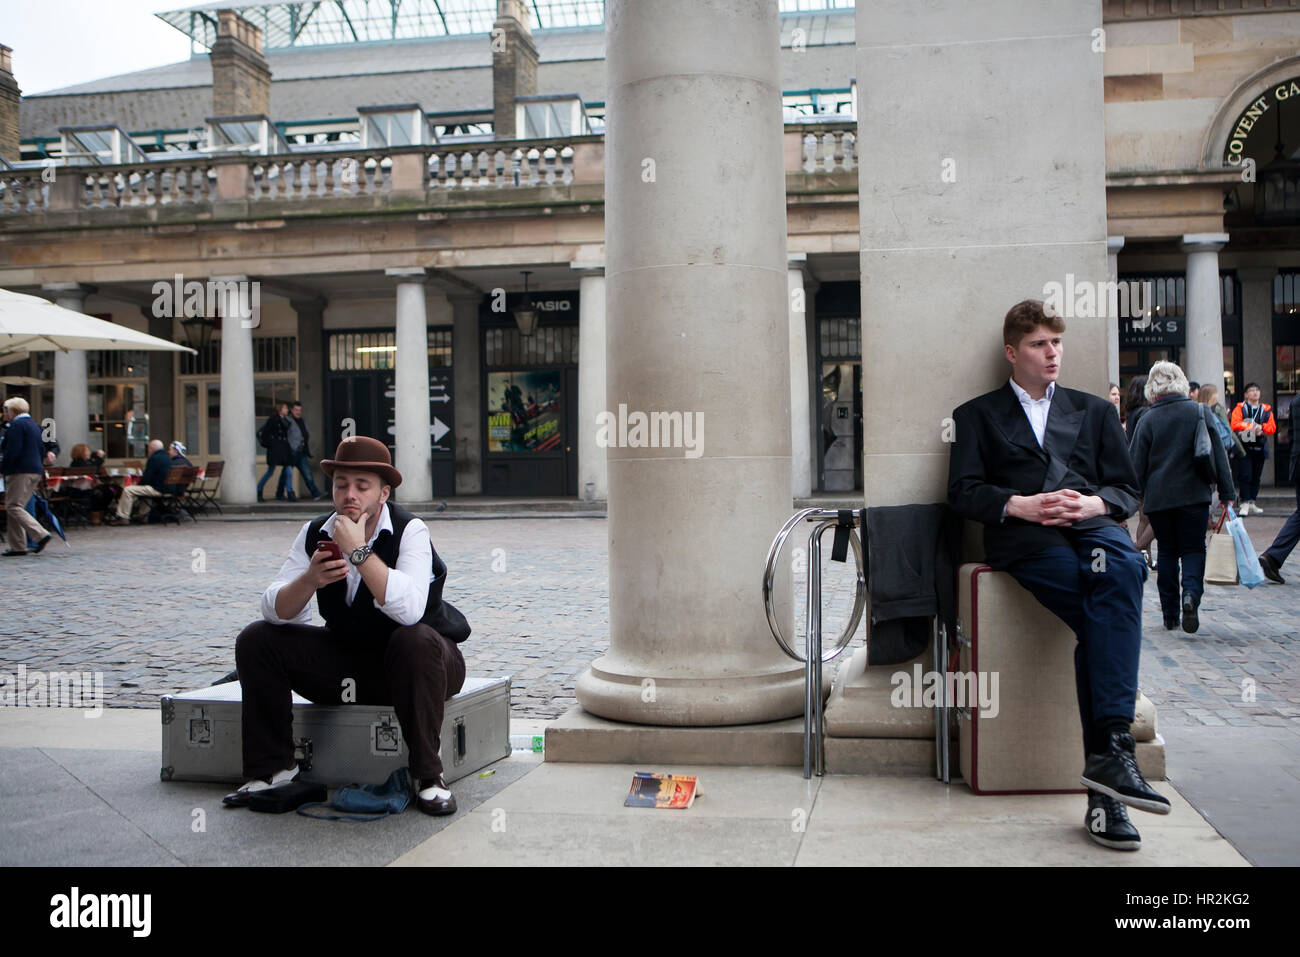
<point>407,274</point>
<point>589,268</point>
<point>1256,273</point>
<point>316,304</point>
<point>69,290</point>
<point>798,262</point>
<point>1203,242</point>
<point>1114,244</point>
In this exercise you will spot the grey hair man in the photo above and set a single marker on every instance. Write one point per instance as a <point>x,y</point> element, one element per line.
<point>23,471</point>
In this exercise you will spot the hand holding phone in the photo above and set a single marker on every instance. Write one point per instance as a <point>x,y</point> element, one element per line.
<point>327,564</point>
<point>332,547</point>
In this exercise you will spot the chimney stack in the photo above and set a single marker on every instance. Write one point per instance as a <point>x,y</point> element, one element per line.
<point>10,101</point>
<point>241,77</point>
<point>514,65</point>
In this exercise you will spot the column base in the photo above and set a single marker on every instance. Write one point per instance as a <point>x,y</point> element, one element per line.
<point>616,692</point>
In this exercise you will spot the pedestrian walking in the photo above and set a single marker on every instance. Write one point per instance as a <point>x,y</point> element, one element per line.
<point>274,437</point>
<point>1176,498</point>
<point>300,446</point>
<point>1276,554</point>
<point>23,471</point>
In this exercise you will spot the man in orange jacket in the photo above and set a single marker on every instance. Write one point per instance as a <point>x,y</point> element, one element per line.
<point>1254,420</point>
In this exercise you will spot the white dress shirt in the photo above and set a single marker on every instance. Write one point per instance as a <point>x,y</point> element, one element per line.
<point>1036,409</point>
<point>408,584</point>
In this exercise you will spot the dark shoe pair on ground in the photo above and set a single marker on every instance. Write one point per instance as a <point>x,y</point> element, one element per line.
<point>1191,620</point>
<point>1113,780</point>
<point>432,796</point>
<point>10,553</point>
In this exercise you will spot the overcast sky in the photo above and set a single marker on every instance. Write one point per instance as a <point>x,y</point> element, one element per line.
<point>57,43</point>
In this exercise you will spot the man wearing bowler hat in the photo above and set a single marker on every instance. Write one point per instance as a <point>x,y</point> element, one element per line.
<point>388,636</point>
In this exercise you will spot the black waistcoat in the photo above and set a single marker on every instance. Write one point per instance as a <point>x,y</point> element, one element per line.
<point>362,617</point>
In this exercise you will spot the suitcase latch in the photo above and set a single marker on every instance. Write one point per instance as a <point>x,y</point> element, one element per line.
<point>198,730</point>
<point>460,741</point>
<point>386,737</point>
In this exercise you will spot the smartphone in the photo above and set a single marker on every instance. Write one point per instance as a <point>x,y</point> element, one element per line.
<point>332,548</point>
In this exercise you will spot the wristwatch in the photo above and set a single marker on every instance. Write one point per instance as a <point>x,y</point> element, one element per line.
<point>359,555</point>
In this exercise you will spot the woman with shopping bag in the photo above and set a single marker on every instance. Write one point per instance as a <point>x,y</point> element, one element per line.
<point>1177,462</point>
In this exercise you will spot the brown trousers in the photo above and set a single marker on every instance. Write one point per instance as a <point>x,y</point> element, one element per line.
<point>414,669</point>
<point>18,522</point>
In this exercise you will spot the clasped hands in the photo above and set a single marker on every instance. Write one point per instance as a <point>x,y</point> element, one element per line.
<point>1064,507</point>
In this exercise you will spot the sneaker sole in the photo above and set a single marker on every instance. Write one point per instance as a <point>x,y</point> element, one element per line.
<point>1115,845</point>
<point>1142,804</point>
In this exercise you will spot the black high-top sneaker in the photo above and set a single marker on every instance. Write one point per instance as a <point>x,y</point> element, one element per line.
<point>1107,823</point>
<point>1115,774</point>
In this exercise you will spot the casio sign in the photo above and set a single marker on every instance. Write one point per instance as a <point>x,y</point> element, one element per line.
<point>553,305</point>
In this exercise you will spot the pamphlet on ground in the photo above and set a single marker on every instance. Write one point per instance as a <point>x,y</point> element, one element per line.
<point>662,790</point>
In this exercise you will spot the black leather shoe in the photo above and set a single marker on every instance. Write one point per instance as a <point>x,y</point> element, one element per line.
<point>13,554</point>
<point>1270,569</point>
<point>42,543</point>
<point>1171,622</point>
<point>1191,621</point>
<point>437,804</point>
<point>1107,823</point>
<point>1115,774</point>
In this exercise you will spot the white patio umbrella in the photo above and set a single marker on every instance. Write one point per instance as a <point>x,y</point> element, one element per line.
<point>31,324</point>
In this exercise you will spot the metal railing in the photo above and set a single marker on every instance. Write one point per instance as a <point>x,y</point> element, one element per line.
<point>846,522</point>
<point>814,731</point>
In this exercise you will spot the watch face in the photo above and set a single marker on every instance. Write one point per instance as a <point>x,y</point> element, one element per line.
<point>359,555</point>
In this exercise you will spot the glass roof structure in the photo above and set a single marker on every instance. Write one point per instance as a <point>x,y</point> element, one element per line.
<point>295,23</point>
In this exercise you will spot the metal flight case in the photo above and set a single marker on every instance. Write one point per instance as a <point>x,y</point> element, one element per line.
<point>333,744</point>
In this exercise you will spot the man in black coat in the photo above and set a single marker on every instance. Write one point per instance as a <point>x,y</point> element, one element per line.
<point>1046,470</point>
<point>1276,554</point>
<point>274,436</point>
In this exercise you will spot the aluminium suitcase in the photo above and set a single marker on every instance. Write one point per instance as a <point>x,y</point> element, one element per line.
<point>333,744</point>
<point>1034,744</point>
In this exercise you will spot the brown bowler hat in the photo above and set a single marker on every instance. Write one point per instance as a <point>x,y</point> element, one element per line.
<point>366,455</point>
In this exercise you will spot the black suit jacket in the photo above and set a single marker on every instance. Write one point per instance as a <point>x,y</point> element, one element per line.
<point>995,455</point>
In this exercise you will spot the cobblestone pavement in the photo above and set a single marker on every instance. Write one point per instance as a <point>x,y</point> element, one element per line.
<point>156,610</point>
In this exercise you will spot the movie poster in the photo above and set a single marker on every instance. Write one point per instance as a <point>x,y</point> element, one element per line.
<point>524,411</point>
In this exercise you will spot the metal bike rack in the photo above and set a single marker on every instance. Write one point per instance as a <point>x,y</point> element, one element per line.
<point>814,750</point>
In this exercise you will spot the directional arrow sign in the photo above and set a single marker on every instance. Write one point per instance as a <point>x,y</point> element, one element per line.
<point>439,429</point>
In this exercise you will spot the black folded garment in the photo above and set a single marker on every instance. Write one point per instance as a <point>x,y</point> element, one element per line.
<point>286,797</point>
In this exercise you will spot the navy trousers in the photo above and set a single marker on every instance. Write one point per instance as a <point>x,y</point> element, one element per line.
<point>1290,533</point>
<point>1095,587</point>
<point>1180,535</point>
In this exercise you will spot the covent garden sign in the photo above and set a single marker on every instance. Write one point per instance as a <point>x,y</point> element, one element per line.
<point>1235,152</point>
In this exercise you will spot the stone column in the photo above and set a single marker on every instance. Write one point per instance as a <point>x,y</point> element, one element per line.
<point>697,324</point>
<point>1203,361</point>
<point>311,382</point>
<point>1257,346</point>
<point>1113,245</point>
<point>468,393</point>
<point>238,425</point>
<point>162,380</point>
<point>593,468</point>
<point>801,465</point>
<point>412,387</point>
<point>71,392</point>
<point>940,270</point>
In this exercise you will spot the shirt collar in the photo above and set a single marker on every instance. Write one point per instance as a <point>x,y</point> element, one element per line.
<point>385,525</point>
<point>1024,396</point>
